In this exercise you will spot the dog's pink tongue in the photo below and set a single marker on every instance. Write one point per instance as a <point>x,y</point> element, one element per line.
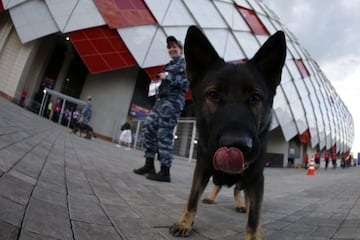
<point>229,160</point>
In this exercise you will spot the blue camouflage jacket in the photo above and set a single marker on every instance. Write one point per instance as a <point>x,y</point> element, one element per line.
<point>175,84</point>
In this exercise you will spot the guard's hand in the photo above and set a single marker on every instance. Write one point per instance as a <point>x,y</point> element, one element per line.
<point>163,75</point>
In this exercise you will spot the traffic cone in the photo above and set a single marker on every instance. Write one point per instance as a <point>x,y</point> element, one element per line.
<point>311,170</point>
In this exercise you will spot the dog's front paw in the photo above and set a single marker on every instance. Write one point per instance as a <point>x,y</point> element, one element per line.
<point>180,229</point>
<point>208,201</point>
<point>240,209</point>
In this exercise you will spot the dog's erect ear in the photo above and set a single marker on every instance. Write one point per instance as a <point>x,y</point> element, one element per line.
<point>270,58</point>
<point>199,53</point>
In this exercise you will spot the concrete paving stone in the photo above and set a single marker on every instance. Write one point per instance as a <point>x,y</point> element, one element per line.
<point>277,225</point>
<point>10,156</point>
<point>326,232</point>
<point>8,231</point>
<point>283,236</point>
<point>320,221</point>
<point>354,214</point>
<point>194,235</point>
<point>15,189</point>
<point>136,228</point>
<point>272,216</point>
<point>119,211</point>
<point>87,231</point>
<point>75,174</point>
<point>47,219</point>
<point>156,216</point>
<point>31,165</point>
<point>52,173</point>
<point>347,233</point>
<point>87,208</point>
<point>26,235</point>
<point>218,231</point>
<point>290,218</point>
<point>50,196</point>
<point>78,186</point>
<point>351,223</point>
<point>11,212</point>
<point>300,228</point>
<point>60,188</point>
<point>23,176</point>
<point>108,196</point>
<point>11,138</point>
<point>5,129</point>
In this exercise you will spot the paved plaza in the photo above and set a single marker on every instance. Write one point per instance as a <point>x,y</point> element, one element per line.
<point>55,185</point>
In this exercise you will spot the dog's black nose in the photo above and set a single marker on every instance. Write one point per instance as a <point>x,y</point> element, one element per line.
<point>241,141</point>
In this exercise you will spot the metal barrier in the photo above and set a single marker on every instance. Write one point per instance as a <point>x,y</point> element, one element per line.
<point>185,137</point>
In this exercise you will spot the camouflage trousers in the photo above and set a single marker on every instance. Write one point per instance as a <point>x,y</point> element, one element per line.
<point>157,132</point>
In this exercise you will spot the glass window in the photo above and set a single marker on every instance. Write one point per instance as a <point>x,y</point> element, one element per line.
<point>173,13</point>
<point>232,16</point>
<point>206,19</point>
<point>256,7</point>
<point>285,76</point>
<point>290,92</point>
<point>293,69</point>
<point>268,24</point>
<point>292,50</point>
<point>225,44</point>
<point>243,3</point>
<point>248,43</point>
<point>148,38</point>
<point>300,85</point>
<point>281,108</point>
<point>289,130</point>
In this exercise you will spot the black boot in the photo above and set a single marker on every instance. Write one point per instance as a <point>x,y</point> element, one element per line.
<point>148,168</point>
<point>162,176</point>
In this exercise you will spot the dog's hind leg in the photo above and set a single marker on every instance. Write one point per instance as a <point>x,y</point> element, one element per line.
<point>184,225</point>
<point>239,207</point>
<point>254,196</point>
<point>211,198</point>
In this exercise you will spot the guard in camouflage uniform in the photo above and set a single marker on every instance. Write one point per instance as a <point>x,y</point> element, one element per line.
<point>159,125</point>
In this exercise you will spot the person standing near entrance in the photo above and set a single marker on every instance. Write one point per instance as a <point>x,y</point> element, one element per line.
<point>86,112</point>
<point>333,159</point>
<point>23,97</point>
<point>326,158</point>
<point>159,125</point>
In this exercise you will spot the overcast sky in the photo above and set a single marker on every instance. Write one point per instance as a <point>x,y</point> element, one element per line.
<point>329,31</point>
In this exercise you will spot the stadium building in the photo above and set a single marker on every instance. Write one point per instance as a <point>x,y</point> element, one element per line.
<point>111,49</point>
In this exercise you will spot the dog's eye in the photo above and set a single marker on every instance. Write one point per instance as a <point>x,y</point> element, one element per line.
<point>213,95</point>
<point>255,98</point>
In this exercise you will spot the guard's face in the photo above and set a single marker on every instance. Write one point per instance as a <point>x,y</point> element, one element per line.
<point>174,50</point>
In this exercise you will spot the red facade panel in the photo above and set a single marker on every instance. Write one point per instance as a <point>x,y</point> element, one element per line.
<point>124,13</point>
<point>302,68</point>
<point>152,71</point>
<point>305,137</point>
<point>101,49</point>
<point>254,23</point>
<point>1,6</point>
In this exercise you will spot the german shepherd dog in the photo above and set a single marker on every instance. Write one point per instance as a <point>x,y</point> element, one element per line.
<point>83,128</point>
<point>233,104</point>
